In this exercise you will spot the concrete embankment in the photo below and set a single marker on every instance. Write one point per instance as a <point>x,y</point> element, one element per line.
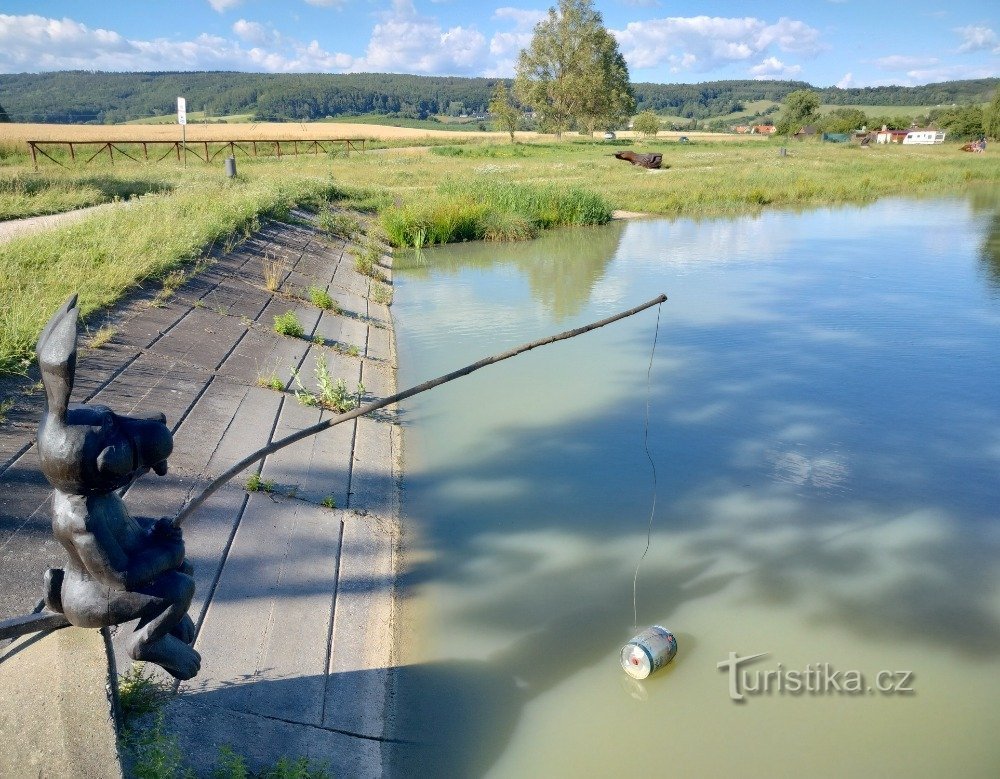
<point>295,593</point>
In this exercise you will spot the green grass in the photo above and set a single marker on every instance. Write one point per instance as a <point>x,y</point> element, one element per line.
<point>491,209</point>
<point>338,223</point>
<point>256,484</point>
<point>381,293</point>
<point>195,117</point>
<point>271,381</point>
<point>31,194</point>
<point>320,298</point>
<point>367,257</point>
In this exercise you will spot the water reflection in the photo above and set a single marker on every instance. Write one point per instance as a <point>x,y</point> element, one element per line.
<point>988,202</point>
<point>561,266</point>
<point>826,428</point>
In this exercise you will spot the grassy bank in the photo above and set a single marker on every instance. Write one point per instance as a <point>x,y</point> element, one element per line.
<point>104,256</point>
<point>491,210</point>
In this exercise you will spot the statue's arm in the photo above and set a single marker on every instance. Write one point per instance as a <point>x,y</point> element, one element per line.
<point>163,552</point>
<point>105,560</point>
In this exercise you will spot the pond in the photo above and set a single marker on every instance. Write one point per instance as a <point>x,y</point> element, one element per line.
<point>824,420</point>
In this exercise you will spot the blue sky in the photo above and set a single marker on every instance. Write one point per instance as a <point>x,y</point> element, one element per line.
<point>824,42</point>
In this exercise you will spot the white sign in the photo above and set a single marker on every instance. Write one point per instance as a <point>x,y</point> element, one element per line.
<point>182,117</point>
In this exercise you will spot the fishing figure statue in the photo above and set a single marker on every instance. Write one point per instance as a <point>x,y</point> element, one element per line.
<point>119,568</point>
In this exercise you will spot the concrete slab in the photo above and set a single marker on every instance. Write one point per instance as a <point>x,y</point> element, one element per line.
<point>203,337</point>
<point>316,467</point>
<point>56,709</point>
<point>202,729</point>
<point>269,619</point>
<point>361,656</point>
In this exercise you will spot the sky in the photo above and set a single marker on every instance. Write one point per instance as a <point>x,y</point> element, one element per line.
<point>847,43</point>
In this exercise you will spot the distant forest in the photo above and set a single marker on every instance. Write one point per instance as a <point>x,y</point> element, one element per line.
<point>78,97</point>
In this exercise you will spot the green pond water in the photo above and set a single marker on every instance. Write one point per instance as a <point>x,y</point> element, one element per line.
<point>824,418</point>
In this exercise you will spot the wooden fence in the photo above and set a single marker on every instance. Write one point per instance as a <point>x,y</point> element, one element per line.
<point>205,151</point>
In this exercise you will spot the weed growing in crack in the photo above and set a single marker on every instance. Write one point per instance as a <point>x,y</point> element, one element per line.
<point>256,484</point>
<point>102,337</point>
<point>320,298</point>
<point>381,293</point>
<point>332,394</point>
<point>273,382</point>
<point>288,324</point>
<point>273,270</point>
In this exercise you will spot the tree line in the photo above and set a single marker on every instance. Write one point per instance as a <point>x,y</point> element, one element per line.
<point>93,97</point>
<point>969,121</point>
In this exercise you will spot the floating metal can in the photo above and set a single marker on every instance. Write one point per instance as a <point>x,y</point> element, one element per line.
<point>648,652</point>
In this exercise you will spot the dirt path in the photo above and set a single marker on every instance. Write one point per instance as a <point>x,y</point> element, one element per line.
<point>13,228</point>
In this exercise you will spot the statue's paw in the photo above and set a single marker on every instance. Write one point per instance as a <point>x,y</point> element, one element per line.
<point>172,655</point>
<point>184,630</point>
<point>186,667</point>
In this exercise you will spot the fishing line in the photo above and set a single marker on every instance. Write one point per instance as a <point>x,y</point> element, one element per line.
<point>652,465</point>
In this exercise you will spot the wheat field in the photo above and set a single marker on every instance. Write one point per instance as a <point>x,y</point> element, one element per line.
<point>282,131</point>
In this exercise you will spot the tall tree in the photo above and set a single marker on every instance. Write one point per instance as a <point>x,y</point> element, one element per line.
<point>801,108</point>
<point>3,115</point>
<point>991,117</point>
<point>572,72</point>
<point>506,116</point>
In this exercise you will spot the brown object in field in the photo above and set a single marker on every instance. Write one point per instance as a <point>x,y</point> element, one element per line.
<point>653,160</point>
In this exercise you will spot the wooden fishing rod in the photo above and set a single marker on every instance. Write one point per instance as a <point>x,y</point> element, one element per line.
<point>43,620</point>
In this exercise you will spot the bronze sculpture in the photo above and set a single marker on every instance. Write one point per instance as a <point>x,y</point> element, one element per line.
<point>119,568</point>
<point>652,160</point>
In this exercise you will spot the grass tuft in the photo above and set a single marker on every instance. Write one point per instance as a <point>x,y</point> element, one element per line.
<point>102,337</point>
<point>273,271</point>
<point>320,298</point>
<point>272,381</point>
<point>256,484</point>
<point>381,293</point>
<point>288,324</point>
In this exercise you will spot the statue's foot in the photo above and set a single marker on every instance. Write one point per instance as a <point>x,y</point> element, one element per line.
<point>184,630</point>
<point>172,655</point>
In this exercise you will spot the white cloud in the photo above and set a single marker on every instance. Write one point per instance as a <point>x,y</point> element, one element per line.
<point>902,62</point>
<point>505,46</point>
<point>772,67</point>
<point>706,42</point>
<point>222,6</point>
<point>523,18</point>
<point>37,43</point>
<point>328,3</point>
<point>254,32</point>
<point>948,73</point>
<point>977,38</point>
<point>403,41</point>
<point>846,82</point>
